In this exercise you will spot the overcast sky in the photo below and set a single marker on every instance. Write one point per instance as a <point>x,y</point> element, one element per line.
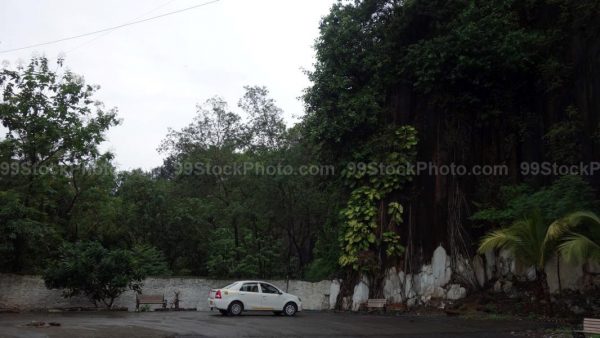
<point>157,71</point>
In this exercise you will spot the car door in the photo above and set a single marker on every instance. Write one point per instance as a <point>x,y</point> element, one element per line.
<point>250,296</point>
<point>271,297</point>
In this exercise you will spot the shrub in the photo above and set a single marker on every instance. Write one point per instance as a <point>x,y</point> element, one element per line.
<point>89,269</point>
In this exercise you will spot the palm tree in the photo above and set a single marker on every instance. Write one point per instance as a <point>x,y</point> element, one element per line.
<point>577,247</point>
<point>526,240</point>
<point>581,246</point>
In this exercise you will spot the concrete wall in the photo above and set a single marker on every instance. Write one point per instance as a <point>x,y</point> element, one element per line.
<point>435,281</point>
<point>29,292</point>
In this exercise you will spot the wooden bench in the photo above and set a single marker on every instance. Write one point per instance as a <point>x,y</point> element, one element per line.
<point>376,304</point>
<point>150,299</point>
<point>590,326</point>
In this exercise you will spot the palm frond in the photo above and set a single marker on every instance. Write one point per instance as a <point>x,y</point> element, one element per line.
<point>567,223</point>
<point>581,216</point>
<point>497,239</point>
<point>557,229</point>
<point>576,248</point>
<point>531,232</point>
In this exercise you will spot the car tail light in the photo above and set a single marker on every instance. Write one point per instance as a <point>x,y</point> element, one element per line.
<point>218,294</point>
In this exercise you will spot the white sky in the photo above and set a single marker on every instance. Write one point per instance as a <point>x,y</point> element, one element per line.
<point>156,72</point>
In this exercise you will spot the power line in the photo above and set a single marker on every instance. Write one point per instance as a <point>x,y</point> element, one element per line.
<point>107,29</point>
<point>110,31</point>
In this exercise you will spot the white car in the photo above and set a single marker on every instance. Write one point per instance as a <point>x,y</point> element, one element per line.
<point>253,296</point>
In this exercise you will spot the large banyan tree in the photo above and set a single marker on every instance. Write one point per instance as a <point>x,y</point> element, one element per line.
<point>483,82</point>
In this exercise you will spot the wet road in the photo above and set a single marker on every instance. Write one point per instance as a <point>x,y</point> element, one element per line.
<point>305,324</point>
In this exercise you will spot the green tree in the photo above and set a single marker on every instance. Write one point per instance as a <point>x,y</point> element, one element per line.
<point>526,240</point>
<point>100,274</point>
<point>443,67</point>
<point>154,211</point>
<point>254,207</point>
<point>265,128</point>
<point>53,127</point>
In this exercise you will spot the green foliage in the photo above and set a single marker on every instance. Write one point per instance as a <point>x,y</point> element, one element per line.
<point>474,52</point>
<point>258,257</point>
<point>457,56</point>
<point>392,244</point>
<point>564,139</point>
<point>525,239</point>
<point>532,241</point>
<point>150,260</point>
<point>476,79</point>
<point>89,269</point>
<point>19,222</point>
<point>360,225</point>
<point>363,228</point>
<point>265,128</point>
<point>554,220</point>
<point>344,103</point>
<point>214,126</point>
<point>578,248</point>
<point>51,118</point>
<point>52,129</point>
<point>244,223</point>
<point>555,201</point>
<point>578,235</point>
<point>326,253</point>
<point>221,261</point>
<point>459,71</point>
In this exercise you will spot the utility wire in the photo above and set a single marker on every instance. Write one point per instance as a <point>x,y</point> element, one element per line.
<point>107,29</point>
<point>110,31</point>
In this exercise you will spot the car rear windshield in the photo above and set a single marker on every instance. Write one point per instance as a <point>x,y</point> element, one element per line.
<point>229,286</point>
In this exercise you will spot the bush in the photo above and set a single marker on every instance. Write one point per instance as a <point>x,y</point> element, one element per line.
<point>89,269</point>
<point>562,197</point>
<point>150,260</point>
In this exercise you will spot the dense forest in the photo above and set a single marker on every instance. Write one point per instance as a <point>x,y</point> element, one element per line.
<point>445,82</point>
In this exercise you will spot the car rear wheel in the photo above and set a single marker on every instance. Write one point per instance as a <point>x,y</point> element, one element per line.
<point>290,309</point>
<point>235,308</point>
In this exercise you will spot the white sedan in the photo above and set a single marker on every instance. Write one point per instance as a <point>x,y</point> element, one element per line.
<point>253,296</point>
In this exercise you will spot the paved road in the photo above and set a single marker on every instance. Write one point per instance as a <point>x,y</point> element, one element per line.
<point>306,324</point>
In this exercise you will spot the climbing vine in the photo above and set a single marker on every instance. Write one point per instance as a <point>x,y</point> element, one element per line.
<point>371,217</point>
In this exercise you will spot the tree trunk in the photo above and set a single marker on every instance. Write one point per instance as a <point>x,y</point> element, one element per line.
<point>108,304</point>
<point>19,257</point>
<point>544,290</point>
<point>558,273</point>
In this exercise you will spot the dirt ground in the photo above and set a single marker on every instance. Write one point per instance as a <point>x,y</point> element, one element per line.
<point>305,324</point>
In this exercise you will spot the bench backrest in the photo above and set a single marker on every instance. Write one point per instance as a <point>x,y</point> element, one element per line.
<point>591,325</point>
<point>150,299</point>
<point>376,302</point>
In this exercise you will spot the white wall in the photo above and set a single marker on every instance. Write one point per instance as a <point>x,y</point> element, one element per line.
<point>433,281</point>
<point>29,292</point>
